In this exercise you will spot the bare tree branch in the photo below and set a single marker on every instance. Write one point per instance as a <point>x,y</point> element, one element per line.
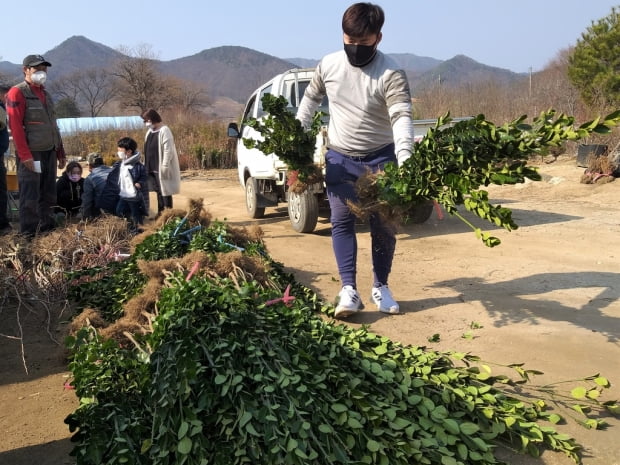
<point>91,89</point>
<point>139,83</point>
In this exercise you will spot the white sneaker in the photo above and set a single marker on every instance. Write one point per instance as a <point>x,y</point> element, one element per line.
<point>382,297</point>
<point>349,302</point>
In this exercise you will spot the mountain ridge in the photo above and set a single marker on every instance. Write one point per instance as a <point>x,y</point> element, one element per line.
<point>234,72</point>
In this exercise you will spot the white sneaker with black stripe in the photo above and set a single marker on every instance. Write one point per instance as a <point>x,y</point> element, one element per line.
<point>349,302</point>
<point>382,297</point>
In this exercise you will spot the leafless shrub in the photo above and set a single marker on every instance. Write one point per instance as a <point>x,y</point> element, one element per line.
<point>33,274</point>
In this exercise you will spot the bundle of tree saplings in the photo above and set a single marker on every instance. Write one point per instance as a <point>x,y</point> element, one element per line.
<point>281,133</point>
<point>231,363</point>
<point>452,162</point>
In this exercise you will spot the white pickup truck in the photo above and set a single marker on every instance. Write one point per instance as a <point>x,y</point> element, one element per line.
<point>264,176</point>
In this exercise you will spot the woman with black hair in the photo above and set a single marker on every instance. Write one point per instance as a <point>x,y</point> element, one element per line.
<point>161,160</point>
<point>69,189</point>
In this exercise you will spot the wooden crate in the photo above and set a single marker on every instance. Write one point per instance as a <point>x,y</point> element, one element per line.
<point>11,181</point>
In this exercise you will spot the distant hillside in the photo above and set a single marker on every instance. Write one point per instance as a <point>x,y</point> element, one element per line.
<point>228,71</point>
<point>10,70</point>
<point>231,73</point>
<point>461,70</point>
<point>303,62</point>
<point>413,64</point>
<point>78,52</point>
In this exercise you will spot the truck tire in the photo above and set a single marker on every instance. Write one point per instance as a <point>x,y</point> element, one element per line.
<point>303,211</point>
<point>251,199</point>
<point>418,214</point>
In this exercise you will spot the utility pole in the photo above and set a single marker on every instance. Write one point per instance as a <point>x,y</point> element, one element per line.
<point>530,82</point>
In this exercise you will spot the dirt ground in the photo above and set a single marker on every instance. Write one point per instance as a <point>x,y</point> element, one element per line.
<point>548,296</point>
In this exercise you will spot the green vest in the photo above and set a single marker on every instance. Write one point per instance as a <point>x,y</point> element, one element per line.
<point>39,121</point>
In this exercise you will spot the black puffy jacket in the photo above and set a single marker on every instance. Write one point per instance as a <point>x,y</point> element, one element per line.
<point>68,195</point>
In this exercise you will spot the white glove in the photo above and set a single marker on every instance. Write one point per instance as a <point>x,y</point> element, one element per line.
<point>402,156</point>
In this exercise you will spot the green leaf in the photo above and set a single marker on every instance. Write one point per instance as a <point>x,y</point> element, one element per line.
<point>250,429</point>
<point>601,381</point>
<point>184,446</point>
<point>291,445</point>
<point>451,426</point>
<point>468,428</point>
<point>146,445</point>
<point>591,423</point>
<point>325,428</point>
<point>354,423</point>
<point>373,446</point>
<point>183,430</point>
<point>578,392</point>
<point>339,408</point>
<point>381,349</point>
<point>245,418</point>
<point>462,451</point>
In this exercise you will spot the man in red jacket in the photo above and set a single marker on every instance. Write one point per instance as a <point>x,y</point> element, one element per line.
<point>38,146</point>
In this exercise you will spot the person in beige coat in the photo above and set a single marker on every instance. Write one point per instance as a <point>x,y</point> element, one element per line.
<point>161,160</point>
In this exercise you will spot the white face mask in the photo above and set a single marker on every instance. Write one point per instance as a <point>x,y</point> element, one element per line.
<point>148,124</point>
<point>121,155</point>
<point>75,177</point>
<point>39,77</point>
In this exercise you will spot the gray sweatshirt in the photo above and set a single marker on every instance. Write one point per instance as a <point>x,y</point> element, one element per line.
<point>369,107</point>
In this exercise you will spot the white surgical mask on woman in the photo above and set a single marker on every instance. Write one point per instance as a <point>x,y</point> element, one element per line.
<point>39,77</point>
<point>121,155</point>
<point>75,177</point>
<point>148,124</point>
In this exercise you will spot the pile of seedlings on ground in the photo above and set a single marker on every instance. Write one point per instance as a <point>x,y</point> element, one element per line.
<point>601,169</point>
<point>449,165</point>
<point>200,349</point>
<point>33,272</point>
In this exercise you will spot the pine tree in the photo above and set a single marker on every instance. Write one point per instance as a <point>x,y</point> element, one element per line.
<point>594,65</point>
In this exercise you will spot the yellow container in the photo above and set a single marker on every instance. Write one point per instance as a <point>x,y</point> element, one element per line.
<point>11,181</point>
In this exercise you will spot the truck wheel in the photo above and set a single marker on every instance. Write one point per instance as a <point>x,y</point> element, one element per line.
<point>303,211</point>
<point>420,213</point>
<point>251,199</point>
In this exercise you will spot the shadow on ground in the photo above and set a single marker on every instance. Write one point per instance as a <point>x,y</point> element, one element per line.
<point>518,306</point>
<point>49,453</point>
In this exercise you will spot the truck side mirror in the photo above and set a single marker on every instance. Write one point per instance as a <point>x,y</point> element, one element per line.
<point>233,130</point>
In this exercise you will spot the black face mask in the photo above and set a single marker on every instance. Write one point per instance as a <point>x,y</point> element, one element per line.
<point>360,55</point>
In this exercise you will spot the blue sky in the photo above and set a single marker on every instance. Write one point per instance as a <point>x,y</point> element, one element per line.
<point>515,35</point>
